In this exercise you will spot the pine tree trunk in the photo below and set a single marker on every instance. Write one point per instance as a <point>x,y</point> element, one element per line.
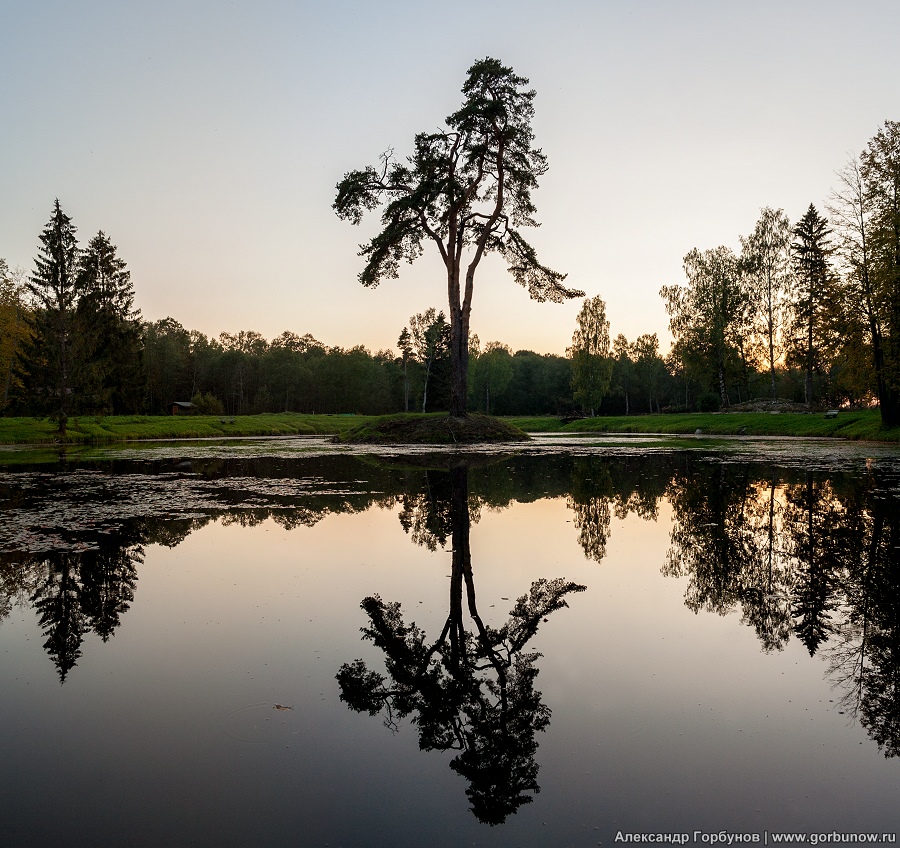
<point>459,360</point>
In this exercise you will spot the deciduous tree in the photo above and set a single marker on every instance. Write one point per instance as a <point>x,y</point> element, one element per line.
<point>880,168</point>
<point>590,353</point>
<point>766,258</point>
<point>708,309</point>
<point>14,327</point>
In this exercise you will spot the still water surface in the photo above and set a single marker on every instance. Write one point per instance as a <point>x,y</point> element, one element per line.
<point>270,642</point>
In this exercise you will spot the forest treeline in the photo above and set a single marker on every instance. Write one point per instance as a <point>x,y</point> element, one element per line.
<point>806,311</point>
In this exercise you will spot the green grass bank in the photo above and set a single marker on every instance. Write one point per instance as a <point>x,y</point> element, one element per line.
<point>125,428</point>
<point>847,425</point>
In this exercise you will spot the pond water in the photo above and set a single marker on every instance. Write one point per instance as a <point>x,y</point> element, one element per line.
<point>270,642</point>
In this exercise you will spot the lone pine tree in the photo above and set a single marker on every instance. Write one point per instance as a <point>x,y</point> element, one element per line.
<point>468,190</point>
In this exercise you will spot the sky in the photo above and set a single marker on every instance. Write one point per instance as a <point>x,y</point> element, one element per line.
<point>206,139</point>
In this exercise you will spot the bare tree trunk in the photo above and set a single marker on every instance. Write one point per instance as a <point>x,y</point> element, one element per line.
<point>425,387</point>
<point>405,383</point>
<point>771,329</point>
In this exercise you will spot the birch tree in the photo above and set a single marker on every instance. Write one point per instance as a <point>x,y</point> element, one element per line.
<point>766,258</point>
<point>591,356</point>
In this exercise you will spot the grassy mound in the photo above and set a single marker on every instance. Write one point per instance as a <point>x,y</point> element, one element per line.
<point>433,429</point>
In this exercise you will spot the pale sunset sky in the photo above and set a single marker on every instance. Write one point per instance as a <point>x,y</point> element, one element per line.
<point>206,138</point>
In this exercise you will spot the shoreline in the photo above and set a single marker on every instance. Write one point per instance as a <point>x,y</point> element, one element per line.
<point>90,430</point>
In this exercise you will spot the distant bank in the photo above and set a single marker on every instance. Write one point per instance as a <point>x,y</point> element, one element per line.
<point>100,430</point>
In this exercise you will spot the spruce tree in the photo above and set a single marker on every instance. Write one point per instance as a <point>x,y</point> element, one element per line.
<point>108,331</point>
<point>49,358</point>
<point>810,255</point>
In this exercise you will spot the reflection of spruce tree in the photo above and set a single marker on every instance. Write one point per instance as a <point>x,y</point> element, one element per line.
<point>58,602</point>
<point>108,578</point>
<point>83,591</point>
<point>819,546</point>
<point>469,691</point>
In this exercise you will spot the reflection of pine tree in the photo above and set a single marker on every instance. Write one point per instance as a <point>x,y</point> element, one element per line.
<point>58,602</point>
<point>470,691</point>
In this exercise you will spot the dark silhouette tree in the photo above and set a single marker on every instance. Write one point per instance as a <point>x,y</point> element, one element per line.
<point>58,603</point>
<point>880,169</point>
<point>810,251</point>
<point>818,544</point>
<point>470,690</point>
<point>108,331</point>
<point>464,188</point>
<point>49,357</point>
<point>708,313</point>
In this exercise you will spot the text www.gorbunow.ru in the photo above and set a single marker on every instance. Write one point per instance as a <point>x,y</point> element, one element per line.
<point>767,837</point>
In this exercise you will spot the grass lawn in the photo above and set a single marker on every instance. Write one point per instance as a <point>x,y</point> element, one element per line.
<point>120,428</point>
<point>847,425</point>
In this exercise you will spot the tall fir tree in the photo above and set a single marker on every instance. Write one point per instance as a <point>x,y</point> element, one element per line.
<point>811,278</point>
<point>49,358</point>
<point>108,336</point>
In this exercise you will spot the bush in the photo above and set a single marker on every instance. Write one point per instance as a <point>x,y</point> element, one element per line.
<point>709,402</point>
<point>206,405</point>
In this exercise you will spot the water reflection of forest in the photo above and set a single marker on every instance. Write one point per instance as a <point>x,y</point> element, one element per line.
<point>796,554</point>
